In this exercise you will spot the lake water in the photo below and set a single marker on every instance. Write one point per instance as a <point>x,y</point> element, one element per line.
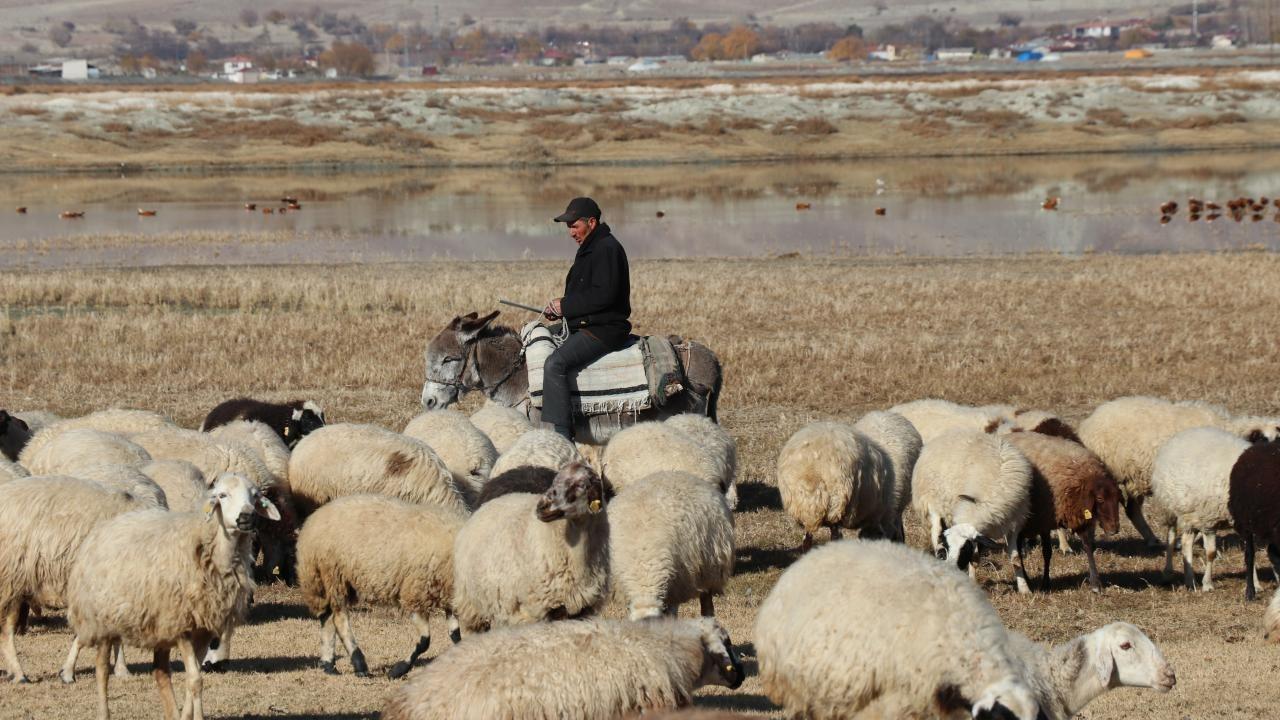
<point>933,207</point>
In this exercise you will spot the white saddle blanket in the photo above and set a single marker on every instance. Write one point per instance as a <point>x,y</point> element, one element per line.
<point>615,383</point>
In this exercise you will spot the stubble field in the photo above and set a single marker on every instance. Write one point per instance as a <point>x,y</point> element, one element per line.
<point>801,339</point>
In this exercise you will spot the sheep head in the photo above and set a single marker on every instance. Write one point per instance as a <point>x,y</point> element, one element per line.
<point>961,544</point>
<point>1121,655</point>
<point>1007,699</point>
<point>1106,505</point>
<point>720,663</point>
<point>237,502</point>
<point>14,435</point>
<point>302,421</point>
<point>576,491</point>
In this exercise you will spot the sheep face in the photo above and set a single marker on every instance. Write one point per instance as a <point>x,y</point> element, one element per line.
<point>576,491</point>
<point>1263,434</point>
<point>302,422</point>
<point>1124,656</point>
<point>14,435</point>
<point>1007,700</point>
<point>961,544</point>
<point>720,663</point>
<point>448,370</point>
<point>237,503</point>
<point>1106,506</point>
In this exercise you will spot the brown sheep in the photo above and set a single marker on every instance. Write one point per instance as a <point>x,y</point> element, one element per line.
<point>1072,489</point>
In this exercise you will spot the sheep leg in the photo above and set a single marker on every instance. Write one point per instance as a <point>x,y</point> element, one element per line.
<point>10,650</point>
<point>328,640</point>
<point>192,708</point>
<point>342,620</point>
<point>424,641</point>
<point>708,604</point>
<point>163,675</point>
<point>1046,552</point>
<point>121,667</point>
<point>455,633</point>
<point>1188,549</point>
<point>1086,538</point>
<point>1133,509</point>
<point>68,673</point>
<point>1169,548</point>
<point>935,531</point>
<point>1015,555</point>
<point>101,663</point>
<point>1210,554</point>
<point>216,660</point>
<point>1064,542</point>
<point>1250,570</point>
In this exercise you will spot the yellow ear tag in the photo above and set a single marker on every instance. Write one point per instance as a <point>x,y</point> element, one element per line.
<point>286,432</point>
<point>595,506</point>
<point>1088,515</point>
<point>208,507</point>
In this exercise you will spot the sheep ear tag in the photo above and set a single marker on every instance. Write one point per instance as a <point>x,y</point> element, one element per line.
<point>595,506</point>
<point>208,508</point>
<point>267,509</point>
<point>1088,515</point>
<point>286,432</point>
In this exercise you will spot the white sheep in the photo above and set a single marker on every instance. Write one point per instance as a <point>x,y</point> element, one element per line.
<point>183,484</point>
<point>11,471</point>
<point>466,450</point>
<point>385,552</point>
<point>578,670</point>
<point>1128,432</point>
<point>670,541</point>
<point>259,438</point>
<point>971,477</point>
<point>901,442</point>
<point>118,421</point>
<point>650,447</point>
<point>933,417</point>
<point>68,450</point>
<point>161,580</point>
<point>522,558</point>
<point>717,443</point>
<point>830,475</point>
<point>537,448</point>
<point>503,425</point>
<point>1191,480</point>
<point>207,453</point>
<point>345,459</point>
<point>43,521</point>
<point>931,645</point>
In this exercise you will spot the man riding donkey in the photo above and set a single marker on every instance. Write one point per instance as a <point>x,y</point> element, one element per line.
<point>595,308</point>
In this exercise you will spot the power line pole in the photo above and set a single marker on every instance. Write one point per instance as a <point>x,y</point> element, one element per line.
<point>1195,18</point>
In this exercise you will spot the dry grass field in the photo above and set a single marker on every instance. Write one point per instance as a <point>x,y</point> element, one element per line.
<point>801,339</point>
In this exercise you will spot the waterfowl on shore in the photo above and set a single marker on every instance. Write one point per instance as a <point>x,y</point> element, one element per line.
<point>1164,219</point>
<point>1212,216</point>
<point>880,211</point>
<point>1212,206</point>
<point>659,214</point>
<point>1169,208</point>
<point>1051,203</point>
<point>251,206</point>
<point>1193,217</point>
<point>22,210</point>
<point>146,213</point>
<point>803,206</point>
<point>69,214</point>
<point>267,211</point>
<point>295,206</point>
<point>289,200</point>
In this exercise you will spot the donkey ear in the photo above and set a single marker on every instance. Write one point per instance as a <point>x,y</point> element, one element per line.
<point>470,316</point>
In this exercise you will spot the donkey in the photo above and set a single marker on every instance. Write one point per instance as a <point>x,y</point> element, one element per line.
<point>470,354</point>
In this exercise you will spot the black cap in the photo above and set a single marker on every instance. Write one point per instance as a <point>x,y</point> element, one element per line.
<point>579,207</point>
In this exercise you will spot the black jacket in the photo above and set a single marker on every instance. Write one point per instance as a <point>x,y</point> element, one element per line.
<point>597,291</point>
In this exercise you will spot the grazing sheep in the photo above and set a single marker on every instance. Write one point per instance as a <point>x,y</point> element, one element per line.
<point>11,471</point>
<point>183,484</point>
<point>1191,479</point>
<point>69,450</point>
<point>670,541</point>
<point>577,670</point>
<point>651,447</point>
<point>260,439</point>
<point>467,452</point>
<point>292,421</point>
<point>1128,432</point>
<point>1071,490</point>
<point>831,475</point>
<point>930,645</point>
<point>1253,500</point>
<point>1038,421</point>
<point>933,417</point>
<point>14,435</point>
<point>383,552</point>
<point>43,521</point>
<point>524,558</point>
<point>161,580</point>
<point>503,425</point>
<point>970,477</point>
<point>345,459</point>
<point>539,448</point>
<point>901,442</point>
<point>717,443</point>
<point>524,479</point>
<point>120,422</point>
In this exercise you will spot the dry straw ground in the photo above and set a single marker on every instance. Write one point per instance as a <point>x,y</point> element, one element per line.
<point>801,339</point>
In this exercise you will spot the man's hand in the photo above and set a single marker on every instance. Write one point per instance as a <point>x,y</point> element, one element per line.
<point>552,310</point>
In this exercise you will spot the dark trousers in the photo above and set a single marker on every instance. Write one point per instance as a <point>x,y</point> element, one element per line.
<point>576,353</point>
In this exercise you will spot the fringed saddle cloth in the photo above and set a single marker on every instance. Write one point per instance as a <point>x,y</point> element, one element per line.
<point>638,377</point>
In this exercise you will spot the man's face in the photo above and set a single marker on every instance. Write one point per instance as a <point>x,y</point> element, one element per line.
<point>581,228</point>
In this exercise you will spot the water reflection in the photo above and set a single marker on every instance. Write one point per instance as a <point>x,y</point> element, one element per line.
<point>932,207</point>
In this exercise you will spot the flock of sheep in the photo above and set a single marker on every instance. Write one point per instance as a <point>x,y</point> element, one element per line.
<point>148,535</point>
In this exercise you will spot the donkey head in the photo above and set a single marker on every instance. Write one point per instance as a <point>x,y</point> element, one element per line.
<point>450,360</point>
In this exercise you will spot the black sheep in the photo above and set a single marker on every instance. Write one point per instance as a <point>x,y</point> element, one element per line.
<point>14,435</point>
<point>1254,503</point>
<point>292,421</point>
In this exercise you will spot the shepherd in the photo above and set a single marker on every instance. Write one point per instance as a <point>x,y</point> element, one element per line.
<point>595,307</point>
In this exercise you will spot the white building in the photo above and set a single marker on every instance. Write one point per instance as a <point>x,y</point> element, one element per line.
<point>236,64</point>
<point>78,70</point>
<point>955,53</point>
<point>244,77</point>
